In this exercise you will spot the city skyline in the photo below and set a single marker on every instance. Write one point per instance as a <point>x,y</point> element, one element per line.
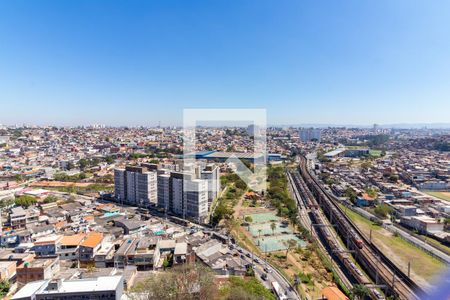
<point>142,63</point>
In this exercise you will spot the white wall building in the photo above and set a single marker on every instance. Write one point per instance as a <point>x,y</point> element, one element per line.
<point>211,173</point>
<point>136,186</point>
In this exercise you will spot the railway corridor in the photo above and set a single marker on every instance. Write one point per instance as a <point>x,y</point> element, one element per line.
<point>382,271</point>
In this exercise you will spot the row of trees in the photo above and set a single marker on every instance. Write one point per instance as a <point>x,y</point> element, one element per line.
<point>278,193</point>
<point>235,189</point>
<point>62,176</point>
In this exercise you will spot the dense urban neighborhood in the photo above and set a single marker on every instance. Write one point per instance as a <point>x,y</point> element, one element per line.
<point>115,212</point>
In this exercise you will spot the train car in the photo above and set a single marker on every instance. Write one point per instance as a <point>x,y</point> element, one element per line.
<point>359,243</point>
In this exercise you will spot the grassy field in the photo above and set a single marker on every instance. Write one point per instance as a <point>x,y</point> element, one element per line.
<point>375,153</point>
<point>441,195</point>
<point>424,267</point>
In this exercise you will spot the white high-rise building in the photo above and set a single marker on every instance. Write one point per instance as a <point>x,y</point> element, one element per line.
<point>120,185</point>
<point>196,199</point>
<point>164,190</point>
<point>176,194</point>
<point>183,194</point>
<point>136,186</point>
<point>211,174</point>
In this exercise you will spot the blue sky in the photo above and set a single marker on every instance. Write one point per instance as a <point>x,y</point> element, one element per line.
<point>140,62</point>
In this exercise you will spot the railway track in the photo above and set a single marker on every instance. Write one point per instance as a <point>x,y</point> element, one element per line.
<point>347,270</point>
<point>378,266</point>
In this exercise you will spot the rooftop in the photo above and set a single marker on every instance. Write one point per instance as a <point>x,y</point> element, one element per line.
<point>72,240</point>
<point>93,239</point>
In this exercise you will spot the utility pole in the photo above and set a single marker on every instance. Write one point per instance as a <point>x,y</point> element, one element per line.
<point>393,282</point>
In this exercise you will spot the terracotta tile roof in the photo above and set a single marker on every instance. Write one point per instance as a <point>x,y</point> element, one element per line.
<point>333,293</point>
<point>93,239</point>
<point>73,240</point>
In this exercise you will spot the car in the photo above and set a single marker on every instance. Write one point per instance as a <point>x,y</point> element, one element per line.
<point>264,276</point>
<point>248,254</point>
<point>267,270</point>
<point>240,250</point>
<point>257,260</point>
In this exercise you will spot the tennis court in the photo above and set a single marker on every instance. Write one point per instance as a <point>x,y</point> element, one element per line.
<point>269,240</point>
<point>261,229</point>
<point>263,217</point>
<point>277,243</point>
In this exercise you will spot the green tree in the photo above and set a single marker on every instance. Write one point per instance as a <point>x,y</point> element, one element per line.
<point>19,178</point>
<point>50,199</point>
<point>273,226</point>
<point>83,163</point>
<point>359,291</point>
<point>242,289</point>
<point>350,193</point>
<point>248,219</point>
<point>372,192</point>
<point>250,271</point>
<point>25,201</point>
<point>187,282</point>
<point>382,210</point>
<point>166,263</point>
<point>6,202</point>
<point>4,287</point>
<point>290,244</point>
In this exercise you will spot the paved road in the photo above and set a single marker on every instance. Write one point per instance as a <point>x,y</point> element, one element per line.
<point>273,275</point>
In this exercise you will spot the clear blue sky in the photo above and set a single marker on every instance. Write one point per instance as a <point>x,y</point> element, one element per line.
<point>140,62</point>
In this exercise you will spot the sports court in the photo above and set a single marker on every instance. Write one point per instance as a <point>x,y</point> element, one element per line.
<point>263,217</point>
<point>277,242</point>
<point>261,229</point>
<point>271,240</point>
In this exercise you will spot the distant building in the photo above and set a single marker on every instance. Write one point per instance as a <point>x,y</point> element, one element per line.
<point>253,130</point>
<point>102,287</point>
<point>136,186</point>
<point>423,224</point>
<point>309,134</point>
<point>365,200</point>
